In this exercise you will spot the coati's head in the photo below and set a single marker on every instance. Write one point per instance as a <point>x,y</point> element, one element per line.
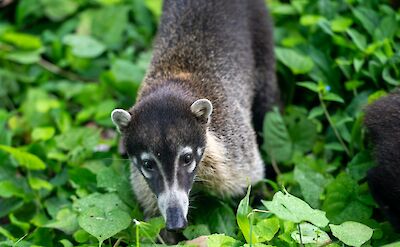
<point>165,138</point>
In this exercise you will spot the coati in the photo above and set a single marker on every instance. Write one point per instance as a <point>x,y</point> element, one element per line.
<point>211,77</point>
<point>382,120</point>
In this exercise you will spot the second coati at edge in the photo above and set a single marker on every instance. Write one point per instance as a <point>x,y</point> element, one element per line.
<point>212,76</point>
<point>382,119</point>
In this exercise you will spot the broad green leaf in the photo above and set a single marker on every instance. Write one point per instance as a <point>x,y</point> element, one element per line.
<point>38,184</point>
<point>66,220</point>
<point>22,40</point>
<point>103,224</point>
<point>310,234</point>
<point>341,24</point>
<point>312,183</point>
<point>25,159</point>
<point>359,40</point>
<point>298,63</point>
<point>42,133</point>
<point>110,32</point>
<point>9,188</point>
<point>124,70</point>
<point>24,57</point>
<point>310,20</point>
<point>243,220</point>
<point>266,229</point>
<point>332,97</point>
<point>108,179</point>
<point>288,207</point>
<point>359,165</point>
<point>342,202</point>
<point>277,141</point>
<point>368,18</point>
<point>309,85</point>
<point>84,46</point>
<point>106,202</point>
<point>352,233</point>
<point>302,131</point>
<point>57,10</point>
<point>220,240</point>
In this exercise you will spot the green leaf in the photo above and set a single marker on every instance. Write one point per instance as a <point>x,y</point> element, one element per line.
<point>288,207</point>
<point>37,183</point>
<point>103,224</point>
<point>309,85</point>
<point>243,220</point>
<point>155,6</point>
<point>42,133</point>
<point>84,46</point>
<point>310,234</point>
<point>150,229</point>
<point>108,179</point>
<point>220,240</point>
<point>341,24</point>
<point>66,220</point>
<point>298,63</point>
<point>110,32</point>
<point>367,17</point>
<point>277,141</point>
<point>359,165</point>
<point>359,40</point>
<point>312,183</point>
<point>194,231</point>
<point>57,10</point>
<point>352,233</point>
<point>106,202</point>
<point>302,131</point>
<point>25,159</point>
<point>22,40</point>
<point>342,202</point>
<point>332,97</point>
<point>24,57</point>
<point>310,20</point>
<point>124,70</point>
<point>266,229</point>
<point>9,188</point>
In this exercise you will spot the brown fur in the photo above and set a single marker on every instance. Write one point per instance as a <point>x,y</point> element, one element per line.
<point>223,51</point>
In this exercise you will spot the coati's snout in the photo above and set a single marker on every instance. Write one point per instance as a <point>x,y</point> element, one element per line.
<point>165,138</point>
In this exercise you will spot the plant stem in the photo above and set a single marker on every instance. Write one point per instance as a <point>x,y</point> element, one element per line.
<point>117,242</point>
<point>328,117</point>
<point>59,71</point>
<point>301,238</point>
<point>275,166</point>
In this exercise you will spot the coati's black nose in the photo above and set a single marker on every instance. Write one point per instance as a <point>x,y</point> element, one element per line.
<point>176,221</point>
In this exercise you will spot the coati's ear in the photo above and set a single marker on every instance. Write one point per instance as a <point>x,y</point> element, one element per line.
<point>202,109</point>
<point>120,118</point>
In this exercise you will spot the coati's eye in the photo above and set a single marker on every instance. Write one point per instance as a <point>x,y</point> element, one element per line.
<point>187,158</point>
<point>148,164</point>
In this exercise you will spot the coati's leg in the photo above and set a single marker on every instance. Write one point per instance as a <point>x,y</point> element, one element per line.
<point>266,90</point>
<point>383,122</point>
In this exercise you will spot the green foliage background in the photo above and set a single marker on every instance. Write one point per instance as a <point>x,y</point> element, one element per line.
<point>66,64</point>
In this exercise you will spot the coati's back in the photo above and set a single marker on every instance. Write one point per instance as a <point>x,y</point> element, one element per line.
<point>211,77</point>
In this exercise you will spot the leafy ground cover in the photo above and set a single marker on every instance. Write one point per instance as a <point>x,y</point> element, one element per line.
<point>65,64</point>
